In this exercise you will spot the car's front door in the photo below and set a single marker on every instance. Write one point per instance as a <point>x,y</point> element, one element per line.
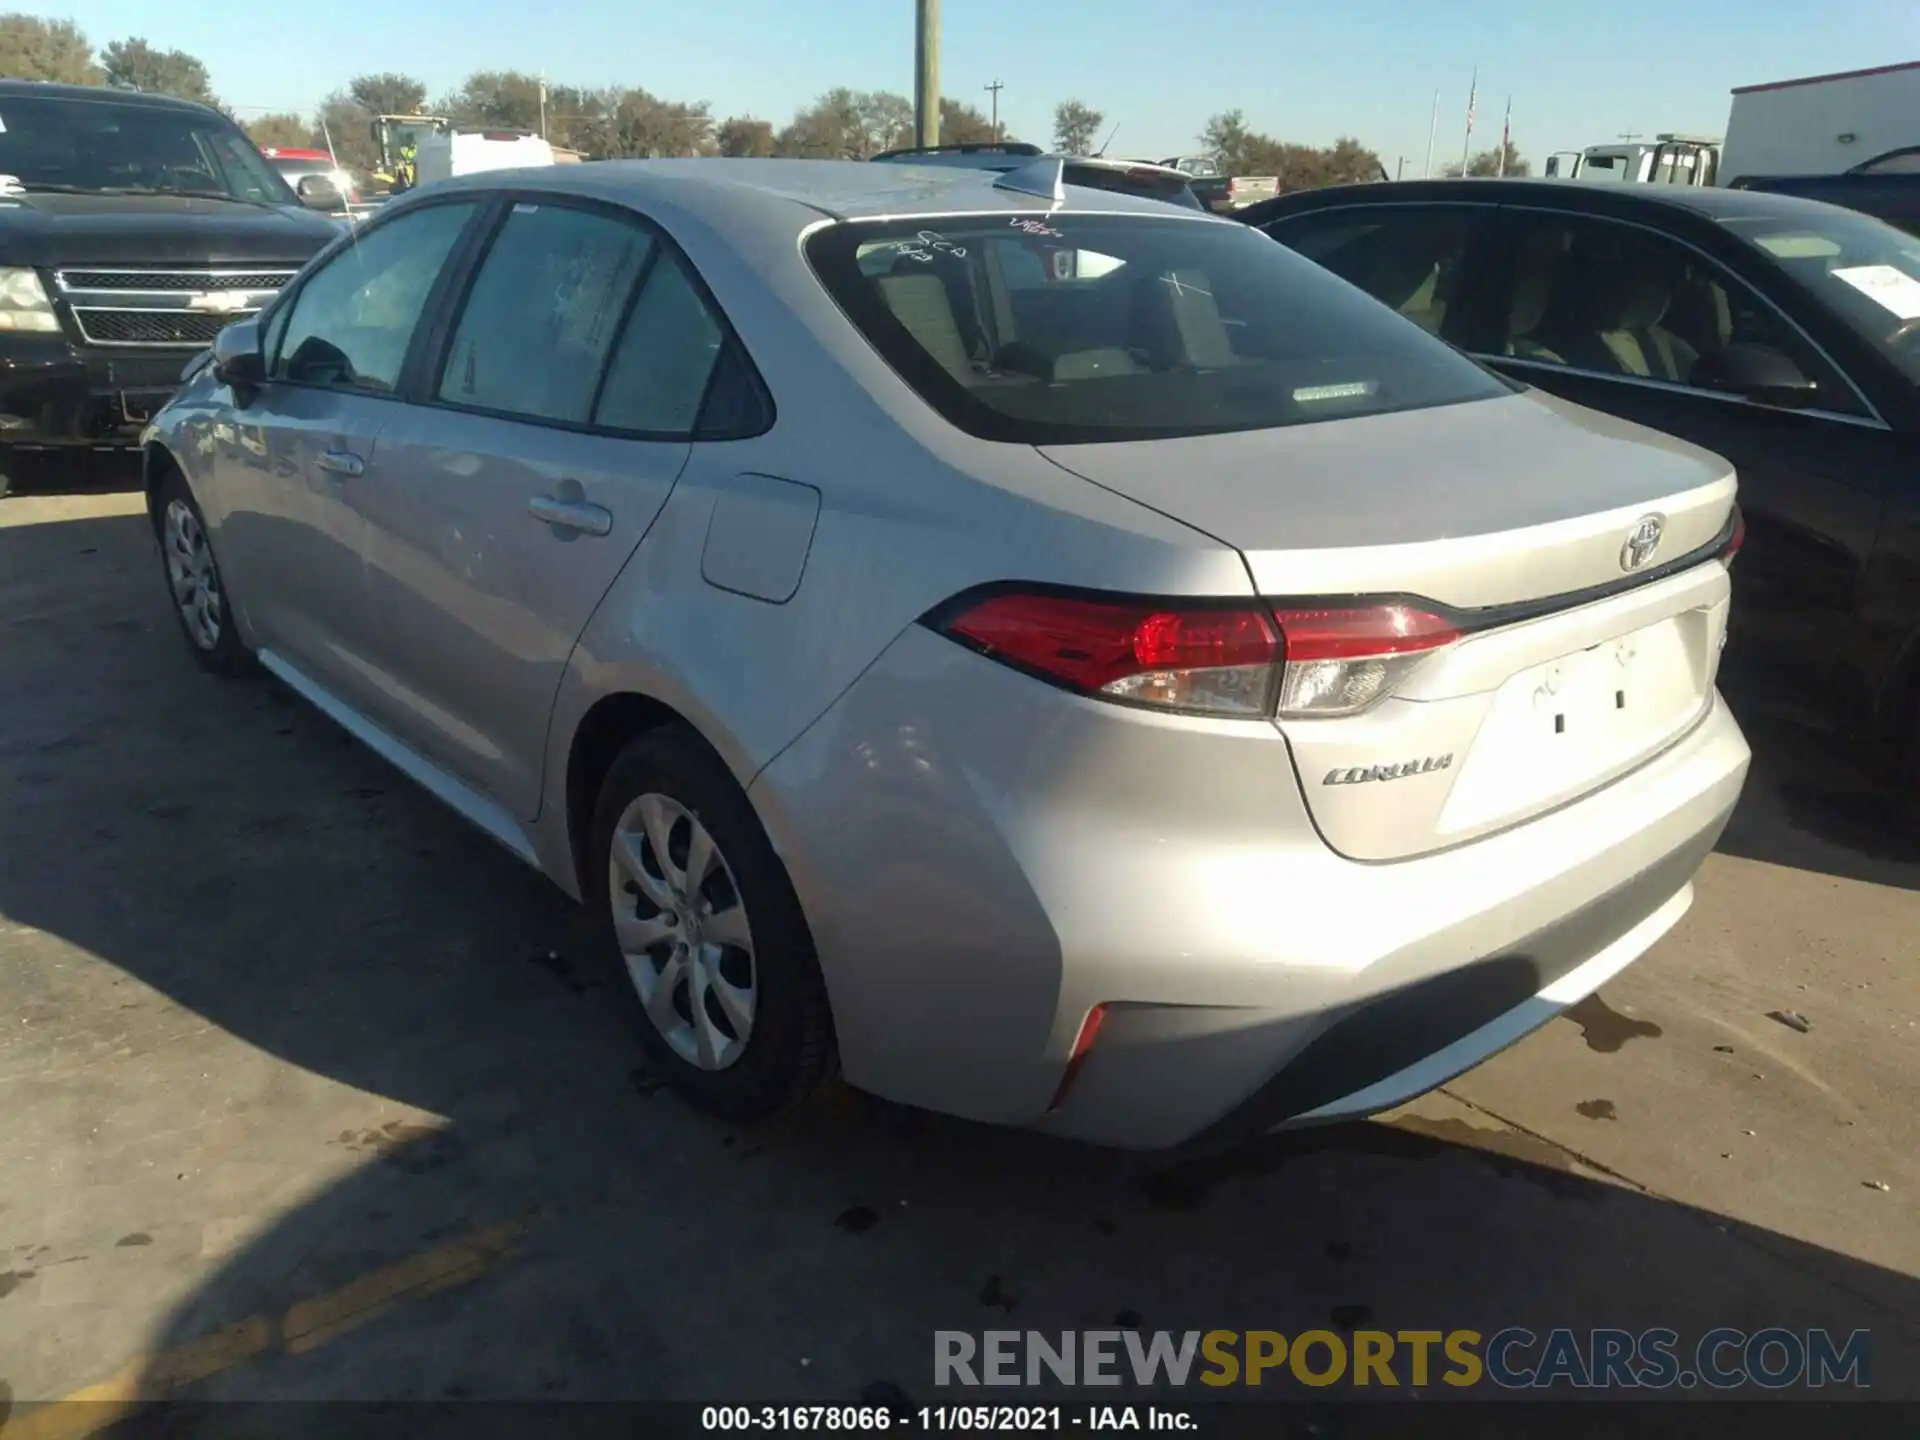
<point>292,496</point>
<point>1629,321</point>
<point>555,417</point>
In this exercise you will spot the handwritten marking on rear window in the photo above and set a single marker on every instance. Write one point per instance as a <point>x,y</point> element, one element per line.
<point>927,244</point>
<point>1035,227</point>
<point>1182,287</point>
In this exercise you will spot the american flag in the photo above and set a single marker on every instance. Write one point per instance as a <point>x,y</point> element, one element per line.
<point>1506,135</point>
<point>1473,93</point>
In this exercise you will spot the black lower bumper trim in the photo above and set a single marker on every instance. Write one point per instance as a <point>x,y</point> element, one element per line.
<point>1403,1027</point>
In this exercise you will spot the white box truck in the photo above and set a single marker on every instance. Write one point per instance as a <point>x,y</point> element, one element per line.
<point>469,149</point>
<point>1823,124</point>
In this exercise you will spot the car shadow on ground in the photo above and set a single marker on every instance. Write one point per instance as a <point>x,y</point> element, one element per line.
<point>1814,802</point>
<point>545,1220</point>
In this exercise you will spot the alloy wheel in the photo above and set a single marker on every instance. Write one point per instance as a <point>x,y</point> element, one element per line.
<point>683,931</point>
<point>193,576</point>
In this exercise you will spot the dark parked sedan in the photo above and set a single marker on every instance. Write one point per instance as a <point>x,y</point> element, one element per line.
<point>1782,333</point>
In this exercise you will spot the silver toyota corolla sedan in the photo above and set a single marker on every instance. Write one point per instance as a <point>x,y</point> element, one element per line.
<point>1040,654</point>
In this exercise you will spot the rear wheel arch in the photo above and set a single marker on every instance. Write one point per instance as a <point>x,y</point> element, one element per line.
<point>611,724</point>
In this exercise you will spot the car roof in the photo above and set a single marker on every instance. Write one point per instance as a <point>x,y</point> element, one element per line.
<point>785,192</point>
<point>1617,197</point>
<point>98,94</point>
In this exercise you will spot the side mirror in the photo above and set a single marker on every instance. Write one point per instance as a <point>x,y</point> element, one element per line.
<point>1758,373</point>
<point>237,359</point>
<point>317,192</point>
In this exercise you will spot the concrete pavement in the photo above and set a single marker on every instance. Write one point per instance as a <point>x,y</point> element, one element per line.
<point>308,1091</point>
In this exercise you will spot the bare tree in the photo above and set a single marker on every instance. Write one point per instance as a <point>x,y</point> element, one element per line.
<point>35,49</point>
<point>1075,127</point>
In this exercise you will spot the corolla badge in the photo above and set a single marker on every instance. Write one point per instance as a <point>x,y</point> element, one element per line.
<point>222,302</point>
<point>1642,541</point>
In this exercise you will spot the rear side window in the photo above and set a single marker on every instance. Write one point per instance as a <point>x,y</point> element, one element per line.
<point>666,357</point>
<point>543,314</point>
<point>1059,329</point>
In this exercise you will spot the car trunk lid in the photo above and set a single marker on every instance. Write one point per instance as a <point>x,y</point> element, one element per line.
<point>1562,555</point>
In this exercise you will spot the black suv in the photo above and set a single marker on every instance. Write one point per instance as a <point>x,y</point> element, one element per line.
<point>132,228</point>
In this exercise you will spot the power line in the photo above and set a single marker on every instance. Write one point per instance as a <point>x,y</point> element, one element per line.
<point>994,89</point>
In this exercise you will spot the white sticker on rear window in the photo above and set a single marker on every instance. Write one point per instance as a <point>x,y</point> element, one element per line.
<point>1887,286</point>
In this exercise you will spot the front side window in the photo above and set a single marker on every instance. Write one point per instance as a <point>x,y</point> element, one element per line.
<point>544,313</point>
<point>1864,270</point>
<point>1592,294</point>
<point>353,319</point>
<point>103,147</point>
<point>1140,327</point>
<point>1411,258</point>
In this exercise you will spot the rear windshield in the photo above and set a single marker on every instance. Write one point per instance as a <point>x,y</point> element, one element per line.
<point>1169,186</point>
<point>1080,329</point>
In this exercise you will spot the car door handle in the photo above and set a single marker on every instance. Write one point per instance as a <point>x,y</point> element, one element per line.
<point>572,515</point>
<point>341,462</point>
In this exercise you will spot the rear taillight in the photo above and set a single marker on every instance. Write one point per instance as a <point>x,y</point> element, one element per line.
<point>1340,661</point>
<point>1735,540</point>
<point>1207,659</point>
<point>1241,661</point>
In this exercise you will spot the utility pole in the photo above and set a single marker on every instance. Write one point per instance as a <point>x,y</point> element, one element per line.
<point>543,104</point>
<point>994,90</point>
<point>1400,168</point>
<point>1628,135</point>
<point>1432,124</point>
<point>926,71</point>
<point>1473,96</point>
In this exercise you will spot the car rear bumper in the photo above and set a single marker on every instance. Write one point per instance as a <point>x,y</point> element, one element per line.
<point>54,396</point>
<point>984,860</point>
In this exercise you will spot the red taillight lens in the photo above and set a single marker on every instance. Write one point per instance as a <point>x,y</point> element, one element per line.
<point>1082,1047</point>
<point>1210,660</point>
<point>1234,661</point>
<point>1340,661</point>
<point>1736,540</point>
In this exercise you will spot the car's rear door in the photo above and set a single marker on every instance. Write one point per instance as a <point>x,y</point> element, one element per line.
<point>555,416</point>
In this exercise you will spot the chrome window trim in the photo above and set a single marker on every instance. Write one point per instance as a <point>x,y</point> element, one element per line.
<point>1872,420</point>
<point>1859,421</point>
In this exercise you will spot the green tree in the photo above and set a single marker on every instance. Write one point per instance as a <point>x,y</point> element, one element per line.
<point>32,48</point>
<point>1487,162</point>
<point>963,124</point>
<point>345,116</point>
<point>387,93</point>
<point>845,124</point>
<point>142,66</point>
<point>508,98</point>
<point>1225,140</point>
<point>281,131</point>
<point>743,135</point>
<point>1075,127</point>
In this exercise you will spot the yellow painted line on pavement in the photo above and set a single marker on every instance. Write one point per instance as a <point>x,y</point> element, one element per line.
<point>305,1327</point>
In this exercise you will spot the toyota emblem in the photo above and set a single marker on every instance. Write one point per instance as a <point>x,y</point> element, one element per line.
<point>1642,541</point>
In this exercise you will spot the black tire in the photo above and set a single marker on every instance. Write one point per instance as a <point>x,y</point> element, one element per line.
<point>227,655</point>
<point>789,1055</point>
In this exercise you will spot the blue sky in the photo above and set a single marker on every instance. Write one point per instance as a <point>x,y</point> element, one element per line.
<point>1577,73</point>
